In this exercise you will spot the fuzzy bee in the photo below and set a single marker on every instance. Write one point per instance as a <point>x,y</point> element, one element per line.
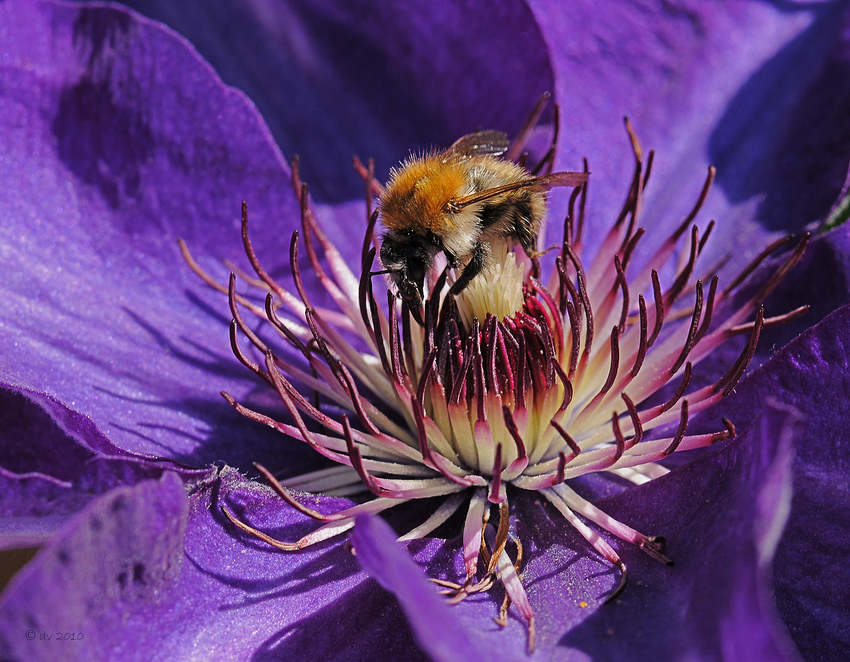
<point>456,202</point>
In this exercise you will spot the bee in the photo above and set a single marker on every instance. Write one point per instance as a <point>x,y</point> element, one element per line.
<point>456,202</point>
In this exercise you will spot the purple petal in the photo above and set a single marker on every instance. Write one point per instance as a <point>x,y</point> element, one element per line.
<point>53,462</point>
<point>120,552</point>
<point>43,435</point>
<point>437,628</point>
<point>758,89</point>
<point>118,139</point>
<point>144,572</point>
<point>334,79</point>
<point>811,577</point>
<point>821,281</point>
<point>712,604</point>
<point>34,505</point>
<point>721,515</point>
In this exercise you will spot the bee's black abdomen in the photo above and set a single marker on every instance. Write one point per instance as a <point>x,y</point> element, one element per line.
<point>512,218</point>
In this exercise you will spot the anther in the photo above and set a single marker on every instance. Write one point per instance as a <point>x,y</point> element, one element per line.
<point>692,331</point>
<point>659,308</point>
<point>680,432</point>
<point>615,360</point>
<point>641,353</point>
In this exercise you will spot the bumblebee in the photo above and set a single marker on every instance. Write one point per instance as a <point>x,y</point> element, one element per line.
<point>456,202</point>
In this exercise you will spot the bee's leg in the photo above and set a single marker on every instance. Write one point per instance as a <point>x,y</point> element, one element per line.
<point>477,260</point>
<point>527,236</point>
<point>535,267</point>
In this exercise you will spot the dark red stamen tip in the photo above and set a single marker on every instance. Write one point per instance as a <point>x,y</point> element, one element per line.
<point>680,432</point>
<point>510,424</point>
<point>615,360</point>
<point>357,460</point>
<point>636,422</point>
<point>659,308</point>
<point>709,309</point>
<point>618,438</point>
<point>755,262</point>
<point>281,326</point>
<point>624,287</point>
<point>692,331</point>
<point>575,449</point>
<point>728,381</point>
<point>644,328</point>
<point>237,316</point>
<point>680,390</point>
<point>243,359</point>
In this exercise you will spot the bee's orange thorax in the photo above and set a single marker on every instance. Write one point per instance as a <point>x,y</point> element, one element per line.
<point>418,193</point>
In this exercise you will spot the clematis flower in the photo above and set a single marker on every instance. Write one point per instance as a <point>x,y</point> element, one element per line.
<point>498,385</point>
<point>117,138</point>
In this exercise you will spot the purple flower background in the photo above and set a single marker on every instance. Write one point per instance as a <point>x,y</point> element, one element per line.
<point>116,138</point>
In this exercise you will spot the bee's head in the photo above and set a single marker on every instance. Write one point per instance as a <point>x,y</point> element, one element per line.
<point>407,257</point>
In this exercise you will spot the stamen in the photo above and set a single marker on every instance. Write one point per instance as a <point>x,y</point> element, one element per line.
<point>575,334</point>
<point>780,273</point>
<point>641,353</point>
<point>680,390</point>
<point>772,321</point>
<point>398,370</point>
<point>517,466</point>
<point>357,461</point>
<point>363,290</point>
<point>649,159</point>
<point>497,491</point>
<point>636,424</point>
<point>692,331</point>
<point>630,247</point>
<point>659,308</point>
<point>582,203</point>
<point>624,286</point>
<point>308,225</point>
<point>286,496</point>
<point>243,359</point>
<point>575,449</point>
<point>237,316</point>
<point>709,308</point>
<point>684,275</point>
<point>517,595</point>
<point>761,257</point>
<point>704,239</point>
<point>271,313</point>
<point>373,186</point>
<point>284,546</point>
<point>568,219</point>
<point>255,262</point>
<point>615,360</point>
<point>706,187</point>
<point>730,379</point>
<point>585,301</point>
<point>618,437</point>
<point>428,398</point>
<point>518,143</point>
<point>376,326</point>
<point>680,432</point>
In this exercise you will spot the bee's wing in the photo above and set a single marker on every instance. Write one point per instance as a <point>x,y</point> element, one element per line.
<point>481,143</point>
<point>538,184</point>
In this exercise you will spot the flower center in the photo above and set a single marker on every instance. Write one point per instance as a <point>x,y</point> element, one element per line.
<point>516,380</point>
<point>497,290</point>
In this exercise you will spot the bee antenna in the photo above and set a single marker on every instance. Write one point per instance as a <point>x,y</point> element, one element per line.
<point>379,273</point>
